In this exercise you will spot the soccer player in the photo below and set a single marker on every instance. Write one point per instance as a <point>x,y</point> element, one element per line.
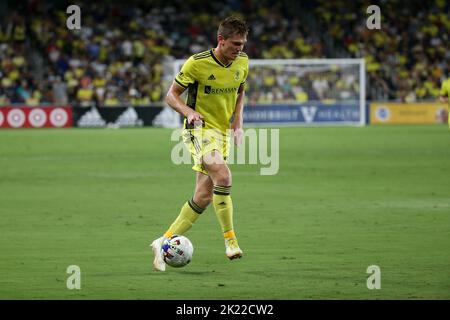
<point>215,82</point>
<point>445,94</point>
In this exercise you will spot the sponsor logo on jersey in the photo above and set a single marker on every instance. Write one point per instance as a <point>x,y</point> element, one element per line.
<point>211,90</point>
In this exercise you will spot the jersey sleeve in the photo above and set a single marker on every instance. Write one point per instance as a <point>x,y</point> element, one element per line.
<point>445,88</point>
<point>187,74</point>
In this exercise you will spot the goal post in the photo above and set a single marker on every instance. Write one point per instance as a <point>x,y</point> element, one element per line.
<point>304,91</point>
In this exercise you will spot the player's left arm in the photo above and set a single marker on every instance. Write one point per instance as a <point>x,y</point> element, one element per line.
<point>238,121</point>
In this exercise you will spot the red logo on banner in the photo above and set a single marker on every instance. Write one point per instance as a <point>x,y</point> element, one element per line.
<point>16,118</point>
<point>58,117</point>
<point>36,117</point>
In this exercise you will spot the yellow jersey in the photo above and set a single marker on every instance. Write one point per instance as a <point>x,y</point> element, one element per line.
<point>213,87</point>
<point>445,89</point>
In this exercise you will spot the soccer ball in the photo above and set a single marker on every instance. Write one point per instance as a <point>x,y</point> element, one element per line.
<point>177,251</point>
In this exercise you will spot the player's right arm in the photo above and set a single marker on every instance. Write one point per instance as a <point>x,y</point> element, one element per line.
<point>186,76</point>
<point>173,99</point>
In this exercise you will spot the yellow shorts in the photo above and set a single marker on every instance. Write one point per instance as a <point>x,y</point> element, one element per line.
<point>201,141</point>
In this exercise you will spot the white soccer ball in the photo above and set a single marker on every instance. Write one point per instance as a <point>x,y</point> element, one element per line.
<point>177,251</point>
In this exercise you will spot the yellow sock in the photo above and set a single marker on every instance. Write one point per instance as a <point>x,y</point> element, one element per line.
<point>229,235</point>
<point>223,207</point>
<point>188,215</point>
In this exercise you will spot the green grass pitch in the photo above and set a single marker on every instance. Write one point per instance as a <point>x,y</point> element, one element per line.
<point>344,199</point>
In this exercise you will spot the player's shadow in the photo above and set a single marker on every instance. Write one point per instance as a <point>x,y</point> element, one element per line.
<point>197,273</point>
<point>193,273</point>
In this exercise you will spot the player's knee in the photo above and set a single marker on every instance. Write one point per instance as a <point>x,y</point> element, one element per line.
<point>223,177</point>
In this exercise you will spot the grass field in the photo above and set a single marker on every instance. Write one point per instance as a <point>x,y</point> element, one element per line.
<point>344,199</point>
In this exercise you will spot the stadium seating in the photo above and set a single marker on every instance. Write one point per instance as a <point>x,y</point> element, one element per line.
<point>121,54</point>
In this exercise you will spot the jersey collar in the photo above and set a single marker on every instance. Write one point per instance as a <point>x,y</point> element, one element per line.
<point>217,60</point>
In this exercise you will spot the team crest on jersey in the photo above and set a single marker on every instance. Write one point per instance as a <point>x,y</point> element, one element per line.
<point>237,75</point>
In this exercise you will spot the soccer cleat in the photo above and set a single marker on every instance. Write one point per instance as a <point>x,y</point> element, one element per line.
<point>232,249</point>
<point>158,261</point>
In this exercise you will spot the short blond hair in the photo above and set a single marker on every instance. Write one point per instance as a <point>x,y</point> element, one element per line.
<point>231,26</point>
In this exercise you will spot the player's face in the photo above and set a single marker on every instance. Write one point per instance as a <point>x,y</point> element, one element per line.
<point>232,46</point>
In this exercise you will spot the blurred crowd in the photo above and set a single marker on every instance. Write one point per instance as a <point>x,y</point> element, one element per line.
<point>17,84</point>
<point>123,52</point>
<point>408,58</point>
<point>302,83</point>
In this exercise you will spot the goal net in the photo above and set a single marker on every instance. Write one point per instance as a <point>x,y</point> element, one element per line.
<point>304,91</point>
